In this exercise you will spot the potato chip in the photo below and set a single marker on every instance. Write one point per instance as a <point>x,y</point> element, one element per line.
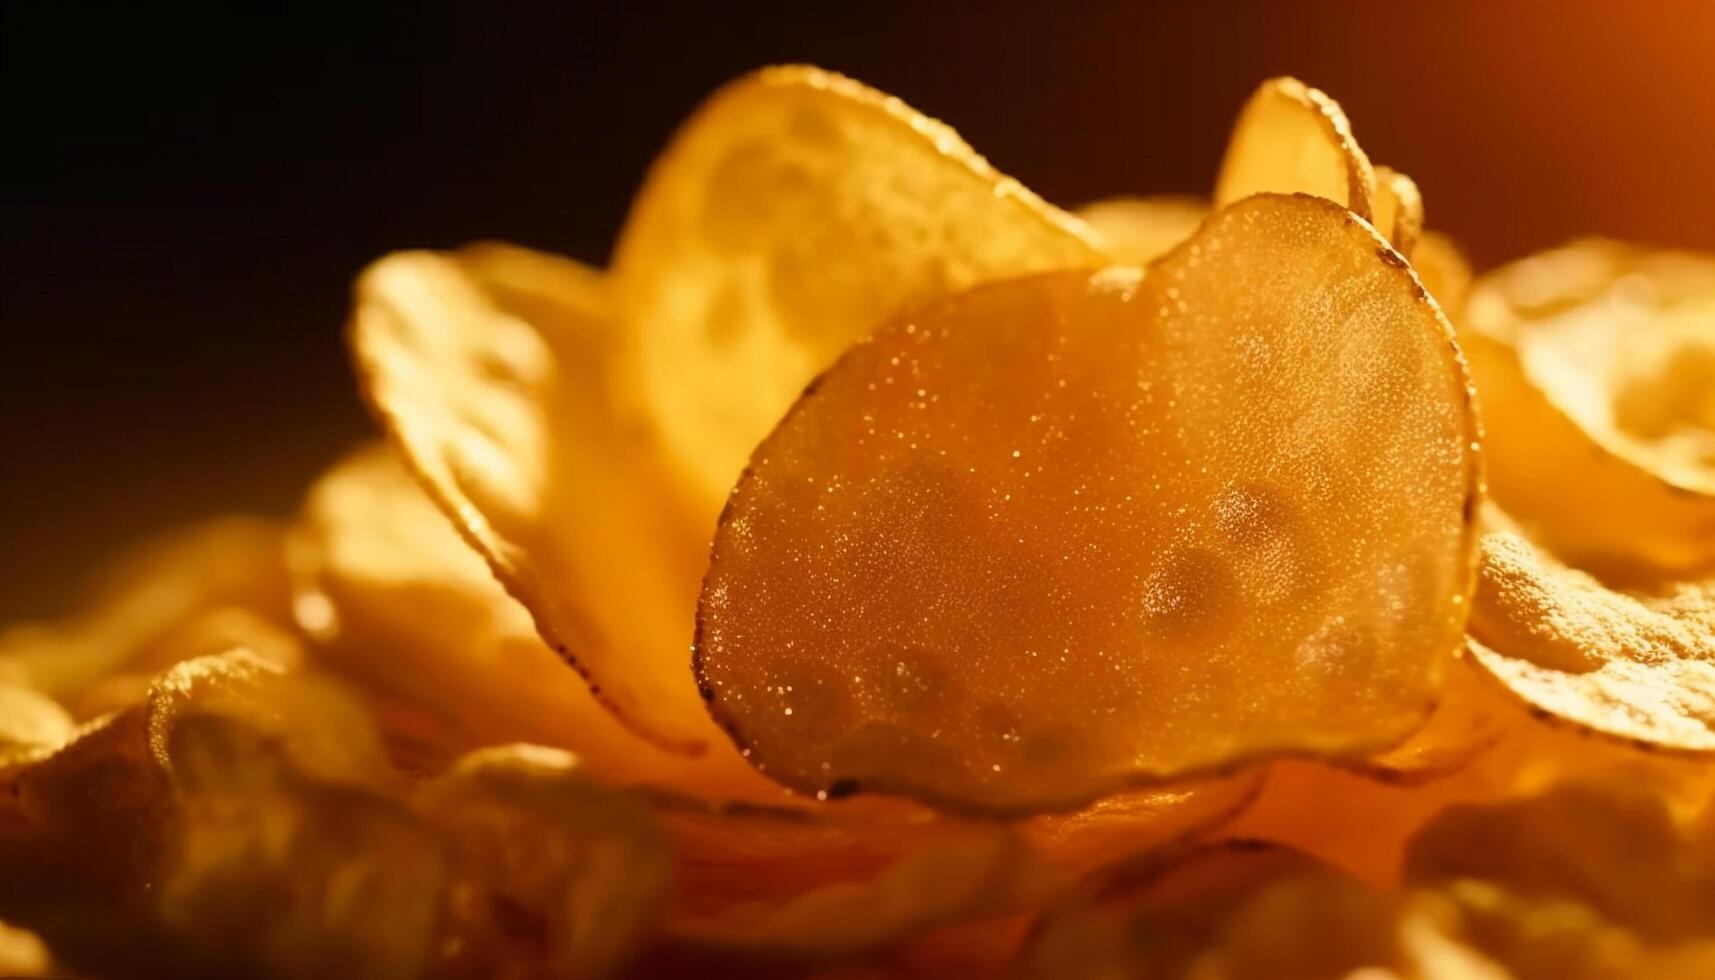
<point>795,212</point>
<point>168,600</point>
<point>397,601</point>
<point>1595,364</point>
<point>1398,210</point>
<point>1634,667</point>
<point>1139,230</point>
<point>1022,548</point>
<point>496,384</point>
<point>1293,139</point>
<point>579,869</point>
<point>1135,821</point>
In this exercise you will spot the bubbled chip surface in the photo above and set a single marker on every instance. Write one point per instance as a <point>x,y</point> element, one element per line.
<point>1076,530</point>
<point>795,211</point>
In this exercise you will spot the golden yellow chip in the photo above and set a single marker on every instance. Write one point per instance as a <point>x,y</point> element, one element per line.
<point>1031,544</point>
<point>794,212</point>
<point>1139,230</point>
<point>1595,364</point>
<point>1133,822</point>
<point>497,385</point>
<point>22,953</point>
<point>1293,139</point>
<point>171,599</point>
<point>394,599</point>
<point>1638,668</point>
<point>1399,210</point>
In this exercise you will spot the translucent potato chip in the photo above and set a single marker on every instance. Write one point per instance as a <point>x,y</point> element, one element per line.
<point>1634,667</point>
<point>1398,210</point>
<point>191,592</point>
<point>1293,139</point>
<point>1139,230</point>
<point>1596,366</point>
<point>795,211</point>
<point>394,599</point>
<point>1021,548</point>
<point>1137,821</point>
<point>493,372</point>
<point>578,868</point>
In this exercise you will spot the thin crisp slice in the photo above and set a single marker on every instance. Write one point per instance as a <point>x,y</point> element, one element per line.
<point>30,722</point>
<point>1399,210</point>
<point>1635,667</point>
<point>1139,230</point>
<point>1596,367</point>
<point>492,370</point>
<point>795,211</point>
<point>1037,542</point>
<point>395,600</point>
<point>1293,139</point>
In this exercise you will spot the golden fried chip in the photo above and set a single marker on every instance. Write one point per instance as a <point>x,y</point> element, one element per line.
<point>492,372</point>
<point>1026,546</point>
<point>1135,821</point>
<point>1595,364</point>
<point>1639,668</point>
<point>794,212</point>
<point>1398,210</point>
<point>166,601</point>
<point>579,868</point>
<point>1139,230</point>
<point>395,600</point>
<point>1291,139</point>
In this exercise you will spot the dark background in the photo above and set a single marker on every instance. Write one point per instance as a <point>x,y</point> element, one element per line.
<point>187,197</point>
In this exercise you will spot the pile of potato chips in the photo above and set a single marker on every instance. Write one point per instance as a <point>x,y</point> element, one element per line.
<point>878,572</point>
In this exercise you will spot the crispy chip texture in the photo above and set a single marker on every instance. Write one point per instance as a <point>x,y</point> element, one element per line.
<point>1634,667</point>
<point>1398,210</point>
<point>796,211</point>
<point>1139,230</point>
<point>1293,139</point>
<point>1596,367</point>
<point>492,371</point>
<point>1021,548</point>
